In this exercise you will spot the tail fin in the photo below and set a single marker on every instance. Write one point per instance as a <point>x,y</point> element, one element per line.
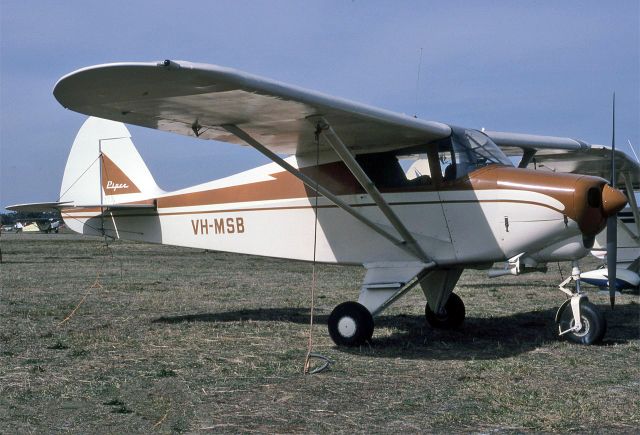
<point>104,167</point>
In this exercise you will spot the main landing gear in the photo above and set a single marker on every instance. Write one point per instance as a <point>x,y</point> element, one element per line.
<point>583,323</point>
<point>351,323</point>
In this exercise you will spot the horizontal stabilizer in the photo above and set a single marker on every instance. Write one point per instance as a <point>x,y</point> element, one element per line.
<point>116,206</point>
<point>44,207</point>
<point>39,207</point>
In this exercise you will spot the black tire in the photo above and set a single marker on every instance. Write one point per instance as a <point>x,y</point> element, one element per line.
<point>451,318</point>
<point>594,325</point>
<point>350,324</point>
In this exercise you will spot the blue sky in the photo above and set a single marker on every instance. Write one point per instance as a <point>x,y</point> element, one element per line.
<point>543,67</point>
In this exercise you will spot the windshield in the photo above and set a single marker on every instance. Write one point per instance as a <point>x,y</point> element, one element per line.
<point>473,149</point>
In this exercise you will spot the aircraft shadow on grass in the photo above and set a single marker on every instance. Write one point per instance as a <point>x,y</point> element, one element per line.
<point>412,338</point>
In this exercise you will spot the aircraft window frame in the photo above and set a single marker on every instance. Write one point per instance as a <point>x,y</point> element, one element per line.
<point>446,161</point>
<point>491,156</point>
<point>395,176</point>
<point>469,153</point>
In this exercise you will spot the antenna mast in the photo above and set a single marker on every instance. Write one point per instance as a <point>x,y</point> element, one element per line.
<point>418,85</point>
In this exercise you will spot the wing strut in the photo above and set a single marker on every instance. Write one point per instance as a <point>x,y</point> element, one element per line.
<point>348,158</point>
<point>238,132</point>
<point>527,155</point>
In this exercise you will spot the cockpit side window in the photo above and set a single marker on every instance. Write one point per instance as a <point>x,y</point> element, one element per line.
<point>409,167</point>
<point>383,169</point>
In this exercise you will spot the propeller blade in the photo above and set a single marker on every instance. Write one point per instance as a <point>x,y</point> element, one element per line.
<point>612,224</point>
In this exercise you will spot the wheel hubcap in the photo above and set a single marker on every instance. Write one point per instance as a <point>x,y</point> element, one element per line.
<point>347,327</point>
<point>442,316</point>
<point>585,327</point>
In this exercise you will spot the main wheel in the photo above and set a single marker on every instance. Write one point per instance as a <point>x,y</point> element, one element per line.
<point>594,325</point>
<point>350,324</point>
<point>451,317</point>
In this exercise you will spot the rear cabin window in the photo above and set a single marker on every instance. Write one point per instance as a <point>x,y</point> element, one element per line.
<point>399,168</point>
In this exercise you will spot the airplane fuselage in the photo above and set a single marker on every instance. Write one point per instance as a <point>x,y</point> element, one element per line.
<point>269,212</point>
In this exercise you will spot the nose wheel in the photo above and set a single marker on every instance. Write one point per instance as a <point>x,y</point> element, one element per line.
<point>350,324</point>
<point>451,316</point>
<point>592,325</point>
<point>578,320</point>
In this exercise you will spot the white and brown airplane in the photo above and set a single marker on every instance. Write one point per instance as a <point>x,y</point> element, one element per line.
<point>344,176</point>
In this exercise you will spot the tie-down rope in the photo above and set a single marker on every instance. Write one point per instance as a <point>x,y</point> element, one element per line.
<point>310,354</point>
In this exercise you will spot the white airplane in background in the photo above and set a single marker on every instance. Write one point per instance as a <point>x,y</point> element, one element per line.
<point>344,173</point>
<point>48,225</point>
<point>628,240</point>
<point>628,253</point>
<point>44,225</point>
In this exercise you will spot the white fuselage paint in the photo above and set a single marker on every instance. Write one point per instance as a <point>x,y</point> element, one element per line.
<point>453,227</point>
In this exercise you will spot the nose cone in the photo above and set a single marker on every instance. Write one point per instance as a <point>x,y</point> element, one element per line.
<point>613,200</point>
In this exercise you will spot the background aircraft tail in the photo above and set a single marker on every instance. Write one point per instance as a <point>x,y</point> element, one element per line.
<point>105,168</point>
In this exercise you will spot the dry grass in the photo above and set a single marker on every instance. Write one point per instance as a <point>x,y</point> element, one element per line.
<point>184,340</point>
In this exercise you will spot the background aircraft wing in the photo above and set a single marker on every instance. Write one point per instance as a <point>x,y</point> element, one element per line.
<point>197,99</point>
<point>560,154</point>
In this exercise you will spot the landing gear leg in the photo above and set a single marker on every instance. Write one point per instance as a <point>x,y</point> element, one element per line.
<point>584,323</point>
<point>444,309</point>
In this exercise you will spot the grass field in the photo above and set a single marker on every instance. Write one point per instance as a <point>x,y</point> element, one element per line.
<point>175,340</point>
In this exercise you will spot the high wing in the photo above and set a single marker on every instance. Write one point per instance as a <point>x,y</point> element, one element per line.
<point>199,99</point>
<point>560,154</point>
